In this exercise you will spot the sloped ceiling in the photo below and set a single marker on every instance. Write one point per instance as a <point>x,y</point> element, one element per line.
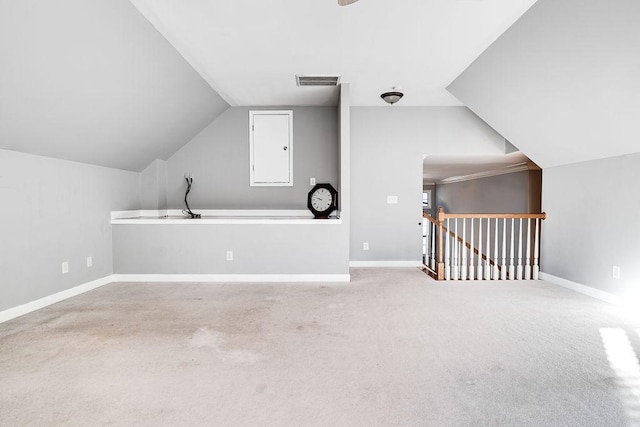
<point>562,84</point>
<point>250,50</point>
<point>94,81</point>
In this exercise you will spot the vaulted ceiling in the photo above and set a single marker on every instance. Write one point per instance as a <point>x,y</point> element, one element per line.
<point>93,81</point>
<point>562,83</point>
<point>250,51</point>
<point>120,83</point>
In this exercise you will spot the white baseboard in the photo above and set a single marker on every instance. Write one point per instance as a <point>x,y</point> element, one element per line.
<point>266,278</point>
<point>586,290</point>
<point>29,307</point>
<point>385,263</point>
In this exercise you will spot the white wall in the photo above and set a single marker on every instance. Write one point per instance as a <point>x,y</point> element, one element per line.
<point>218,157</point>
<point>592,223</point>
<point>387,148</point>
<point>53,211</point>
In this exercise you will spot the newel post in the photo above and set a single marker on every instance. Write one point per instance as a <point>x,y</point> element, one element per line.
<point>440,261</point>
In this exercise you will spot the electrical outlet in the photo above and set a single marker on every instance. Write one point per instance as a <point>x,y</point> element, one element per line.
<point>229,255</point>
<point>89,261</point>
<point>365,246</point>
<point>615,272</point>
<point>392,200</point>
<point>65,267</point>
<point>312,181</point>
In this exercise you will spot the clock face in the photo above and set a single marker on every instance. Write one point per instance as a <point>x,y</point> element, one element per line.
<point>321,199</point>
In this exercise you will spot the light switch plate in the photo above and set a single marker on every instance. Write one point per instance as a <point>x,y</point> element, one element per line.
<point>392,200</point>
<point>615,271</point>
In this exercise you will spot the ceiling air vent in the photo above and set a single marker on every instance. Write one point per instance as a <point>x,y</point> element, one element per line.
<point>317,80</point>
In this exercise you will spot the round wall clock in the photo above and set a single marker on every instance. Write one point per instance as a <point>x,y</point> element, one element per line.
<point>322,200</point>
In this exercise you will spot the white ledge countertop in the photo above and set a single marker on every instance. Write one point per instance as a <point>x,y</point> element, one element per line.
<point>219,216</point>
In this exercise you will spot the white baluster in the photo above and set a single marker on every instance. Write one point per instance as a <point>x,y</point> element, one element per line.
<point>487,262</point>
<point>536,268</point>
<point>425,239</point>
<point>511,267</point>
<point>527,262</point>
<point>479,271</point>
<point>447,265</point>
<point>456,249</point>
<point>519,268</point>
<point>496,271</point>
<point>503,264</point>
<point>471,268</point>
<point>432,261</point>
<point>463,269</point>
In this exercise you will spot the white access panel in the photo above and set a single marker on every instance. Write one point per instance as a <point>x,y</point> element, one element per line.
<point>271,148</point>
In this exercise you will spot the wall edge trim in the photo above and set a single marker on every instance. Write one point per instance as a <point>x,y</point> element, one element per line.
<point>583,289</point>
<point>486,174</point>
<point>236,278</point>
<point>43,302</point>
<point>385,264</point>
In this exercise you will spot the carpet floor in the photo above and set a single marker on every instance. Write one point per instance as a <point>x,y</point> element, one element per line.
<point>393,347</point>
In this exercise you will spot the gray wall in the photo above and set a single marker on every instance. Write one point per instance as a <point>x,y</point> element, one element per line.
<point>592,223</point>
<point>344,178</point>
<point>53,211</point>
<point>95,82</point>
<point>508,193</point>
<point>562,83</point>
<point>153,186</point>
<point>387,148</point>
<point>257,249</point>
<point>219,159</point>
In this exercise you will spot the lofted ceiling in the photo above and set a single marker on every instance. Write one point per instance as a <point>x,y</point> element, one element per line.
<point>94,82</point>
<point>562,83</point>
<point>249,51</point>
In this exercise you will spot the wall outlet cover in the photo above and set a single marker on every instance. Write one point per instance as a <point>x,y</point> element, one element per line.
<point>65,267</point>
<point>365,246</point>
<point>89,261</point>
<point>312,181</point>
<point>229,255</point>
<point>392,200</point>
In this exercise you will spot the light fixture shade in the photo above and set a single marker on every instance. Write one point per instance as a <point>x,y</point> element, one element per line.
<point>346,2</point>
<point>392,97</point>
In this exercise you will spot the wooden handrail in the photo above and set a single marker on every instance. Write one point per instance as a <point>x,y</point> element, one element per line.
<point>542,215</point>
<point>430,218</point>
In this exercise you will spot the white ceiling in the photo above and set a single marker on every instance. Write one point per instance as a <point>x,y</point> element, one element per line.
<point>439,167</point>
<point>249,51</point>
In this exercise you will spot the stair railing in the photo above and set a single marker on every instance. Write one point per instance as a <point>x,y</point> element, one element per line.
<point>459,259</point>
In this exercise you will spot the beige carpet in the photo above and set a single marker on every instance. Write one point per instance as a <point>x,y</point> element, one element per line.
<point>393,347</point>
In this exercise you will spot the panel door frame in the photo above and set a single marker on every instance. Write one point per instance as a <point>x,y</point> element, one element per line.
<point>252,114</point>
